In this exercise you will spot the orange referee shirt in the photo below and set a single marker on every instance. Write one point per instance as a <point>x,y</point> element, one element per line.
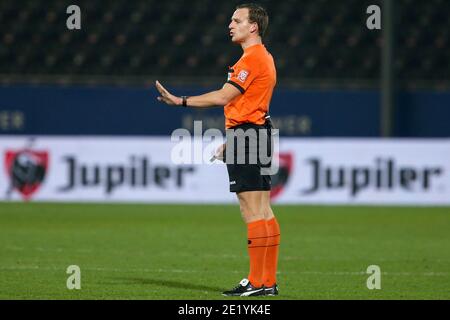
<point>255,76</point>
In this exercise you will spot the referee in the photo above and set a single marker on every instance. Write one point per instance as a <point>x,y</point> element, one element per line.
<point>246,96</point>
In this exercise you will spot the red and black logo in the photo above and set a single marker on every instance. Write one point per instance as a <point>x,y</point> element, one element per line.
<point>280,179</point>
<point>26,170</point>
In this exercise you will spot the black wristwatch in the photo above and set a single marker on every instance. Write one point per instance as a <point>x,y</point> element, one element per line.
<point>184,98</point>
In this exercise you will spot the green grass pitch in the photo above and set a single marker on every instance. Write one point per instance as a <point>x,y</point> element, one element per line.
<point>194,252</point>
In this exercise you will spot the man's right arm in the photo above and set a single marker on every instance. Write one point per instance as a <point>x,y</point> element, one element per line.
<point>214,98</point>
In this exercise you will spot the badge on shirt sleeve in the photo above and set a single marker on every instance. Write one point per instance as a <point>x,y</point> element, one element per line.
<point>230,73</point>
<point>242,76</point>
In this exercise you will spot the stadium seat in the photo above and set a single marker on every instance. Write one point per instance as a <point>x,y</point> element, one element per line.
<point>309,39</point>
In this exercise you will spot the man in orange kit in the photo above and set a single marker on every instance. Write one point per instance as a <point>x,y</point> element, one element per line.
<point>246,96</point>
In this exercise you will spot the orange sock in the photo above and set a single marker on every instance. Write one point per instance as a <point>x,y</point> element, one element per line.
<point>271,261</point>
<point>257,242</point>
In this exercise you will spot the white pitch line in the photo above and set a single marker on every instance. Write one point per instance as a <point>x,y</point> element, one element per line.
<point>331,273</point>
<point>208,255</point>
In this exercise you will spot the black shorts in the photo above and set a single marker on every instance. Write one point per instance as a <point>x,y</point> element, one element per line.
<point>248,158</point>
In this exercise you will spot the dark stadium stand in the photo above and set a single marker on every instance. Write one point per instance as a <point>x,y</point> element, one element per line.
<point>310,39</point>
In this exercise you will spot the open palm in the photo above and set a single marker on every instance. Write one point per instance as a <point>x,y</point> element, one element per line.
<point>166,96</point>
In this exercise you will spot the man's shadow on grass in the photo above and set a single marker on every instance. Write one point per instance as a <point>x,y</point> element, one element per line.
<point>171,284</point>
<point>179,285</point>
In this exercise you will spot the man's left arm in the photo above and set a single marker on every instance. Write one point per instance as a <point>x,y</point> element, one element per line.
<point>214,98</point>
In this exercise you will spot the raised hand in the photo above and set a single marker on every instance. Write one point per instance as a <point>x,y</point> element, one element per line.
<point>166,96</point>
